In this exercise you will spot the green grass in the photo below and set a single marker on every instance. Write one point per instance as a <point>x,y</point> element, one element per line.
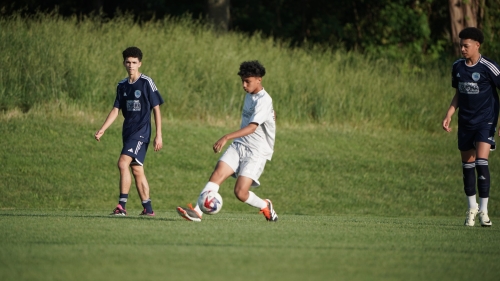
<point>88,245</point>
<point>78,61</point>
<point>55,162</point>
<point>366,184</point>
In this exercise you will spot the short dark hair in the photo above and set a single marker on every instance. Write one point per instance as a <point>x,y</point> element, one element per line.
<point>132,52</point>
<point>251,69</point>
<point>472,33</point>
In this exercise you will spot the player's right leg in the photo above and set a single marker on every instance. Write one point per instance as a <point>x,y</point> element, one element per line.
<point>221,172</point>
<point>125,182</point>
<point>468,155</point>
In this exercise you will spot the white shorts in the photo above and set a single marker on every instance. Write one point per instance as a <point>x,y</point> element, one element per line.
<point>244,163</point>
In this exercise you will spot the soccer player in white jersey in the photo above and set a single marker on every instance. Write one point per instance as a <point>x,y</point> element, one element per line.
<point>252,146</point>
<point>475,79</point>
<point>136,96</point>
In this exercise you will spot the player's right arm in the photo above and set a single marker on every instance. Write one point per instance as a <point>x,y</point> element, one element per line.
<point>451,110</point>
<point>109,120</point>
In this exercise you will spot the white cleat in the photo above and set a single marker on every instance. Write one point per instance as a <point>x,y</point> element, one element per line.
<point>484,219</point>
<point>471,216</point>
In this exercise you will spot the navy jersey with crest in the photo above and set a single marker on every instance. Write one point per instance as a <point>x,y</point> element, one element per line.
<point>136,101</point>
<point>477,94</point>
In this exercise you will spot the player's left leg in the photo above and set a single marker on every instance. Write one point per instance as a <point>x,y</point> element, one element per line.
<point>251,168</point>
<point>483,181</point>
<point>142,185</point>
<point>137,150</point>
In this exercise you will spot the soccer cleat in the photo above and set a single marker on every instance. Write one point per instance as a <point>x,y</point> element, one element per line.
<point>484,219</point>
<point>144,213</point>
<point>119,211</point>
<point>189,213</point>
<point>471,216</point>
<point>269,212</point>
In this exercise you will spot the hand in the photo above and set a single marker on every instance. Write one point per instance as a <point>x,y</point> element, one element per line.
<point>220,144</point>
<point>98,135</point>
<point>446,124</point>
<point>158,143</point>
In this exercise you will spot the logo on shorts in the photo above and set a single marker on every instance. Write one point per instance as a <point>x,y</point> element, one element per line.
<point>476,76</point>
<point>130,150</point>
<point>458,75</point>
<point>124,94</point>
<point>137,93</point>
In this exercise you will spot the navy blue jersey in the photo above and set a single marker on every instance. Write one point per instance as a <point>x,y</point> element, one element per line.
<point>136,101</point>
<point>477,94</point>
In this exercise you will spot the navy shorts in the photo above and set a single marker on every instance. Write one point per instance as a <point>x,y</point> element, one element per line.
<point>137,150</point>
<point>467,139</point>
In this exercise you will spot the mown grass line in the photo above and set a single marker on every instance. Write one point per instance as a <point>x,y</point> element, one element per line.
<point>87,245</point>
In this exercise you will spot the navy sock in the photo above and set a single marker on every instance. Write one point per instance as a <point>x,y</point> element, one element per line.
<point>123,200</point>
<point>483,177</point>
<point>469,178</point>
<point>147,205</point>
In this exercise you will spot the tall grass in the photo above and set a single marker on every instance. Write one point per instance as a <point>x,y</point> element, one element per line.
<point>47,58</point>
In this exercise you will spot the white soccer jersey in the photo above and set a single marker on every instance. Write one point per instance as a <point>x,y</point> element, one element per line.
<point>258,108</point>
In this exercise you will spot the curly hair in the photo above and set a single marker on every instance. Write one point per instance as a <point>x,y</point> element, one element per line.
<point>472,33</point>
<point>251,69</point>
<point>132,52</point>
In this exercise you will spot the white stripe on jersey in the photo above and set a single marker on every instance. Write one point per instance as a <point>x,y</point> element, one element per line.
<point>457,61</point>
<point>138,147</point>
<point>151,83</point>
<point>491,66</point>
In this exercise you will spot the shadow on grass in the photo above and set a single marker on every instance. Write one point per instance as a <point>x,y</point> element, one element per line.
<point>86,216</point>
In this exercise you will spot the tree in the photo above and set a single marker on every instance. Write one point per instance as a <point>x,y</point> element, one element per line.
<point>218,13</point>
<point>464,13</point>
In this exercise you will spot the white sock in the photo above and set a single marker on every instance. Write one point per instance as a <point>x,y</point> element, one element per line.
<point>209,186</point>
<point>254,201</point>
<point>472,201</point>
<point>483,204</point>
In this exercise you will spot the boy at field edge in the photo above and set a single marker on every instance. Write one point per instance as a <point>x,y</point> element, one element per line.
<point>475,79</point>
<point>252,146</point>
<point>136,96</point>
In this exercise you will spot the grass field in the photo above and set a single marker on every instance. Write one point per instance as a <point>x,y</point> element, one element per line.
<point>88,245</point>
<point>366,184</point>
<point>353,205</point>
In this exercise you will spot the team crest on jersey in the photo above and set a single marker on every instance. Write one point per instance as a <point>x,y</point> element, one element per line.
<point>476,76</point>
<point>137,93</point>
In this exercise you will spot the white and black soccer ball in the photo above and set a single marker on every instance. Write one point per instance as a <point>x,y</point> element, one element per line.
<point>210,202</point>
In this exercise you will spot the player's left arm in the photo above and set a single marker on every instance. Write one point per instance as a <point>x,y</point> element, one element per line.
<point>245,131</point>
<point>158,141</point>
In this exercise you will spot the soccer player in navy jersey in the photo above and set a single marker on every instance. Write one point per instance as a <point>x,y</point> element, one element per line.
<point>475,79</point>
<point>136,96</point>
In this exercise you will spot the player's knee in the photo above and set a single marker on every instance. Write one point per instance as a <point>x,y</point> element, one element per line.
<point>241,194</point>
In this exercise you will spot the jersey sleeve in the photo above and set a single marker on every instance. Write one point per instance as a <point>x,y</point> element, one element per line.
<point>155,97</point>
<point>454,80</point>
<point>494,71</point>
<point>263,109</point>
<point>117,99</point>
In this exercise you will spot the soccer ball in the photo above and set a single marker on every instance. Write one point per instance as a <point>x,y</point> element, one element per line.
<point>210,202</point>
